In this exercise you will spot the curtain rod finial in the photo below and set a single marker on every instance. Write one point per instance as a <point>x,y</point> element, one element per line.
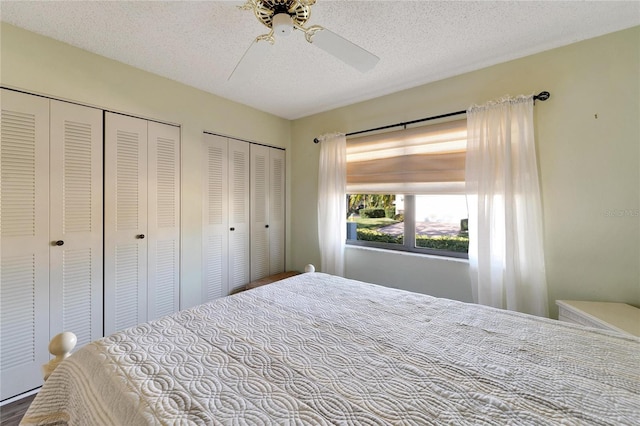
<point>542,96</point>
<point>316,140</point>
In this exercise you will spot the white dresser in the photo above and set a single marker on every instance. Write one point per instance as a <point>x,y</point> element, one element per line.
<point>618,317</point>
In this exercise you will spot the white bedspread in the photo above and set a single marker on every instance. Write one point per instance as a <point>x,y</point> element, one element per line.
<point>316,349</point>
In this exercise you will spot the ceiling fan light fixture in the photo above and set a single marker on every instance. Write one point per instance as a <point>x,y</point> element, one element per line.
<point>282,24</point>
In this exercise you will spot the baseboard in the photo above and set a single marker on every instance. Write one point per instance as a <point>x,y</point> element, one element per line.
<point>19,397</point>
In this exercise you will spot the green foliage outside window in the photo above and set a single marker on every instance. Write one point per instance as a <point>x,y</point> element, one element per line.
<point>445,242</point>
<point>372,213</point>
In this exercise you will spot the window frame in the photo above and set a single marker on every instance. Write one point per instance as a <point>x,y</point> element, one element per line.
<point>409,238</point>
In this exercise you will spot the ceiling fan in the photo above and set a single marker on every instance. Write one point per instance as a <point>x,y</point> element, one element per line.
<point>284,16</point>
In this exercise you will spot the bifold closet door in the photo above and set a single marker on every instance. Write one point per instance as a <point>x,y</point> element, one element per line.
<point>267,211</point>
<point>259,212</point>
<point>125,214</point>
<point>226,249</point>
<point>75,254</point>
<point>24,230</point>
<point>51,279</point>
<point>277,210</point>
<point>163,242</point>
<point>239,231</point>
<point>142,221</point>
<point>215,232</point>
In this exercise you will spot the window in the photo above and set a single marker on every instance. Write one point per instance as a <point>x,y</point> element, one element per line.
<point>406,190</point>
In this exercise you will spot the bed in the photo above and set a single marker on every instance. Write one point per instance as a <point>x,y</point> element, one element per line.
<point>318,349</point>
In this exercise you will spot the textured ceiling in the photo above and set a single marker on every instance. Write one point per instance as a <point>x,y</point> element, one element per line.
<point>199,42</point>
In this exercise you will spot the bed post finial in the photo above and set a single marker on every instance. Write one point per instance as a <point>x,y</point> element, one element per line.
<point>60,346</point>
<point>309,268</point>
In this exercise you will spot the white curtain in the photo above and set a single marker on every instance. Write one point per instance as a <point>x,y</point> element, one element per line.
<point>332,209</point>
<point>506,256</point>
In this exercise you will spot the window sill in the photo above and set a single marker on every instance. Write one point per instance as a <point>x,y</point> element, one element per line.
<point>408,253</point>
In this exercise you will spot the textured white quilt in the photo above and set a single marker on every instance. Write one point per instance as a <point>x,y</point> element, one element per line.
<point>316,349</point>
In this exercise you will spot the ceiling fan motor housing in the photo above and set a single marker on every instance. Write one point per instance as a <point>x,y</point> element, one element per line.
<point>282,24</point>
<point>268,11</point>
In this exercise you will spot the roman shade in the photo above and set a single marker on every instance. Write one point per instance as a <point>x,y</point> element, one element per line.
<point>420,160</point>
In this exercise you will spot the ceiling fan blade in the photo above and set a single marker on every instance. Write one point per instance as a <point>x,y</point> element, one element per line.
<point>343,49</point>
<point>250,61</point>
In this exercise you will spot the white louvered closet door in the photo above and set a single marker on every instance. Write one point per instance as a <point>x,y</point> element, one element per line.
<point>239,252</point>
<point>125,246</point>
<point>259,212</point>
<point>75,253</point>
<point>215,235</point>
<point>267,211</point>
<point>24,230</point>
<point>163,220</point>
<point>277,208</point>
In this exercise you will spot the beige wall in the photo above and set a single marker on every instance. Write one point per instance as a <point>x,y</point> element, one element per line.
<point>588,138</point>
<point>44,66</point>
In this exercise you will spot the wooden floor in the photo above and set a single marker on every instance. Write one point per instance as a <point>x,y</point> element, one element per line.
<point>11,414</point>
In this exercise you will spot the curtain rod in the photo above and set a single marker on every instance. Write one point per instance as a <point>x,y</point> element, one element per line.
<point>542,96</point>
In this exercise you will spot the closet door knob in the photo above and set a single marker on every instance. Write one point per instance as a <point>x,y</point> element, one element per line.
<point>266,226</point>
<point>59,243</point>
<point>140,236</point>
<point>232,229</point>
